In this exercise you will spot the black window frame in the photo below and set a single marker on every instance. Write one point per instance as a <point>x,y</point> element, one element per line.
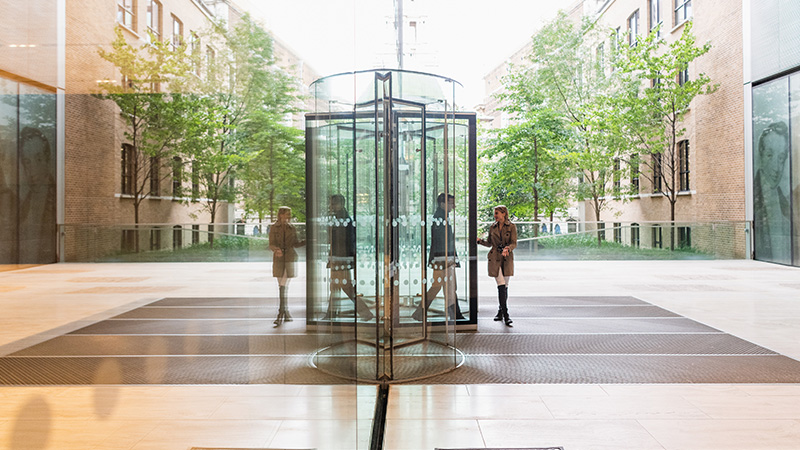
<point>154,173</point>
<point>683,165</point>
<point>128,171</point>
<point>177,237</point>
<point>658,172</point>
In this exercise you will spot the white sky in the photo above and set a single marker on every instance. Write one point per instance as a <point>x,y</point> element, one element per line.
<point>471,37</point>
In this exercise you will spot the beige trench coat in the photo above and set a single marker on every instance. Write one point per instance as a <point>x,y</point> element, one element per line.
<point>505,237</point>
<point>283,236</point>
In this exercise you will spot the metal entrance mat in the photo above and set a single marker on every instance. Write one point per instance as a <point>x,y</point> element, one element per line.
<point>554,340</point>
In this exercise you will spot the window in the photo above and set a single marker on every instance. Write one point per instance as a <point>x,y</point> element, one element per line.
<point>177,237</point>
<point>617,167</point>
<point>657,172</point>
<point>654,14</point>
<point>656,235</point>
<point>683,164</point>
<point>634,166</point>
<point>210,59</point>
<point>195,46</point>
<point>195,181</point>
<point>177,33</point>
<point>154,20</point>
<point>601,231</point>
<point>684,237</point>
<point>195,234</point>
<point>128,169</point>
<point>128,241</point>
<point>633,28</point>
<point>155,176</point>
<point>635,235</point>
<point>126,13</point>
<point>155,239</point>
<point>601,60</point>
<point>177,175</point>
<point>617,232</point>
<point>683,11</point>
<point>683,76</point>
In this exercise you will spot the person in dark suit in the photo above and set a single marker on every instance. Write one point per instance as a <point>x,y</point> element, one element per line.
<point>443,259</point>
<point>342,238</point>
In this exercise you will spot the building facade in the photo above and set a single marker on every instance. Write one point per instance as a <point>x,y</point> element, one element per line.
<point>65,182</point>
<point>713,143</point>
<point>772,128</point>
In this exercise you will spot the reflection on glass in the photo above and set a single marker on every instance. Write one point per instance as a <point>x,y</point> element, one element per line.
<point>382,145</point>
<point>8,171</point>
<point>794,83</point>
<point>771,190</point>
<point>27,174</point>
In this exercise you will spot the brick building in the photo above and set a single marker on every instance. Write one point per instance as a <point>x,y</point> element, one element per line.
<point>714,134</point>
<point>55,50</point>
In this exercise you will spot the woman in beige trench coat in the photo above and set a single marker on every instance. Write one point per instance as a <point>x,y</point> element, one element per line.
<point>502,240</point>
<point>282,241</point>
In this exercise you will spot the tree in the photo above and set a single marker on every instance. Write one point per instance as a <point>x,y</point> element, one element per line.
<point>651,104</point>
<point>276,177</point>
<point>567,68</point>
<point>155,121</point>
<point>526,160</point>
<point>241,81</point>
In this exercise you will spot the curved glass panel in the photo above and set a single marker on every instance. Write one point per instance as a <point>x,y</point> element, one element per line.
<point>390,183</point>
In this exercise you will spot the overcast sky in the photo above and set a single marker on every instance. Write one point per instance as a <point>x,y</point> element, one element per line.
<point>470,37</point>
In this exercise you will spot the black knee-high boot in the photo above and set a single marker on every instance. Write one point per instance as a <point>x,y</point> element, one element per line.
<point>283,307</point>
<point>504,306</point>
<point>501,301</point>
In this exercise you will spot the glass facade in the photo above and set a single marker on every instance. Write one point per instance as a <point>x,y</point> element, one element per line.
<point>391,196</point>
<point>27,174</point>
<point>776,151</point>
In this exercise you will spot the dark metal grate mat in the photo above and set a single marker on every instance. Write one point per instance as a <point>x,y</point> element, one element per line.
<point>554,340</point>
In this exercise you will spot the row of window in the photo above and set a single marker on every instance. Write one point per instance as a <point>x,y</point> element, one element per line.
<point>656,235</point>
<point>130,173</point>
<point>658,171</point>
<point>682,11</point>
<point>128,238</point>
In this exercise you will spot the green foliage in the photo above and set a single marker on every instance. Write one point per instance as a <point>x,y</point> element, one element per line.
<point>646,110</point>
<point>276,176</point>
<point>156,122</point>
<point>245,97</point>
<point>564,79</point>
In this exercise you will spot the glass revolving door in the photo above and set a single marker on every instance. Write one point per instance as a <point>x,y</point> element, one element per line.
<point>391,247</point>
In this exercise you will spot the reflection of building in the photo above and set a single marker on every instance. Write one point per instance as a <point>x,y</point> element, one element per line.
<point>53,49</point>
<point>712,146</point>
<point>31,136</point>
<point>772,128</point>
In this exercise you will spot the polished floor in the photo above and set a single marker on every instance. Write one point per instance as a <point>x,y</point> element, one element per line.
<point>757,302</point>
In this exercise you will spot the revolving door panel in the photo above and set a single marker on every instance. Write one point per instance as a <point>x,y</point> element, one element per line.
<point>384,318</point>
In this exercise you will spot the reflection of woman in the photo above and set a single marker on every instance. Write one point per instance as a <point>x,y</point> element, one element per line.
<point>282,241</point>
<point>37,197</point>
<point>771,209</point>
<point>503,240</point>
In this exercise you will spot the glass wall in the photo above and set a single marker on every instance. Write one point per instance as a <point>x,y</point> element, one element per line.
<point>27,174</point>
<point>776,173</point>
<point>390,183</point>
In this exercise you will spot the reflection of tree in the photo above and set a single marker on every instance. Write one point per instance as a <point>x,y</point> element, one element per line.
<point>155,122</point>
